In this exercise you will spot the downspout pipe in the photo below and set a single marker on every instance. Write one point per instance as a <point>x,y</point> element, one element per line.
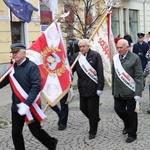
<point>144,15</point>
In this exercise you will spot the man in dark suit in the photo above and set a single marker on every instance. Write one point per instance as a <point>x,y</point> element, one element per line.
<point>127,87</point>
<point>62,113</point>
<point>89,90</point>
<point>25,83</point>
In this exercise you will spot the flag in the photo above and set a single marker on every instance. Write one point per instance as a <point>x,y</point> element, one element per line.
<point>52,4</point>
<point>21,9</point>
<point>103,43</point>
<point>49,54</point>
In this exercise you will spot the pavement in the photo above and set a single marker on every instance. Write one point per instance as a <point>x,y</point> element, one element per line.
<point>75,136</point>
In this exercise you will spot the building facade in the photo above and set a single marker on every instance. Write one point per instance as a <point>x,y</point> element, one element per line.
<point>14,30</point>
<point>133,17</point>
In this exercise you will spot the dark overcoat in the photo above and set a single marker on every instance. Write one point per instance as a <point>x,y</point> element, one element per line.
<point>28,76</point>
<point>86,86</point>
<point>132,65</point>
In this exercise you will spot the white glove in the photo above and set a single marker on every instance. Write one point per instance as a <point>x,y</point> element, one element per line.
<point>137,98</point>
<point>23,108</point>
<point>99,92</point>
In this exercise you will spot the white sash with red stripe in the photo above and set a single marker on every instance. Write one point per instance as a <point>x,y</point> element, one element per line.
<point>87,68</point>
<point>22,95</point>
<point>122,74</point>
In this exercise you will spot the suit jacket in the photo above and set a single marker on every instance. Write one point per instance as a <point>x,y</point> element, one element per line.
<point>87,87</point>
<point>132,65</point>
<point>28,76</point>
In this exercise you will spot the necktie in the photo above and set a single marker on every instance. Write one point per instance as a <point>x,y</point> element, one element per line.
<point>121,57</point>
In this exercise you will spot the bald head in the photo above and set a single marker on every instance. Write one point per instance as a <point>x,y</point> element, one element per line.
<point>124,42</point>
<point>122,46</point>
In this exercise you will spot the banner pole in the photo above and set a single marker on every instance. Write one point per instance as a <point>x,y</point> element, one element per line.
<point>75,61</point>
<point>101,21</point>
<point>6,73</point>
<point>46,108</point>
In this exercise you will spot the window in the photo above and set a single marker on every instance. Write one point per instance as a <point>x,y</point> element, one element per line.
<point>133,24</point>
<point>70,17</point>
<point>115,23</point>
<point>70,22</point>
<point>17,30</point>
<point>46,15</point>
<point>88,17</point>
<point>124,21</point>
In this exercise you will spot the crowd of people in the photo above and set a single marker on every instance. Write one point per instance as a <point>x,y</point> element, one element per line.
<point>128,72</point>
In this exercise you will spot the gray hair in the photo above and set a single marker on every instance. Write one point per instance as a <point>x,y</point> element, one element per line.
<point>86,41</point>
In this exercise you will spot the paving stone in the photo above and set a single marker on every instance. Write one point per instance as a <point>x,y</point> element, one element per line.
<point>75,137</point>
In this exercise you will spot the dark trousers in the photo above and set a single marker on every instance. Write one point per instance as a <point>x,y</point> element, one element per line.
<point>36,130</point>
<point>125,107</point>
<point>90,108</point>
<point>63,111</point>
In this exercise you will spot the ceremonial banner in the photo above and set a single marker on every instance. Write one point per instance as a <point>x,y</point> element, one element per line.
<point>102,41</point>
<point>49,54</point>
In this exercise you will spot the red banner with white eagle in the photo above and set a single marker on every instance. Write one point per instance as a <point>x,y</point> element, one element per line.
<point>102,41</point>
<point>49,54</point>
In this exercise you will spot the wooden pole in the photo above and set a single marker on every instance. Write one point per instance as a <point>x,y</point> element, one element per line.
<point>46,108</point>
<point>75,61</point>
<point>6,73</point>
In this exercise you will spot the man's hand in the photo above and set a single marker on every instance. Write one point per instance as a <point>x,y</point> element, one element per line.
<point>137,107</point>
<point>23,108</point>
<point>99,92</point>
<point>137,98</point>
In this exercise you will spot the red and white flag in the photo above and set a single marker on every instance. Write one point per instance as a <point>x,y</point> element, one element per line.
<point>49,54</point>
<point>103,42</point>
<point>52,4</point>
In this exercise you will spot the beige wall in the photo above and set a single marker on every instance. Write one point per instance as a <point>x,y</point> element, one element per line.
<point>5,35</point>
<point>32,30</point>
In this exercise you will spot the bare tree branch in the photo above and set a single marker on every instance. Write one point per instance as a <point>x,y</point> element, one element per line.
<point>81,20</point>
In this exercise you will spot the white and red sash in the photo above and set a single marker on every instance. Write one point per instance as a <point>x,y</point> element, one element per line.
<point>122,74</point>
<point>87,68</point>
<point>22,95</point>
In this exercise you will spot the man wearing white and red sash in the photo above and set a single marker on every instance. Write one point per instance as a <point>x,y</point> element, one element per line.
<point>26,86</point>
<point>90,84</point>
<point>127,87</point>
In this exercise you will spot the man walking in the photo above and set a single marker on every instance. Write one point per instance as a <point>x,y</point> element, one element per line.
<point>127,87</point>
<point>90,84</point>
<point>26,85</point>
